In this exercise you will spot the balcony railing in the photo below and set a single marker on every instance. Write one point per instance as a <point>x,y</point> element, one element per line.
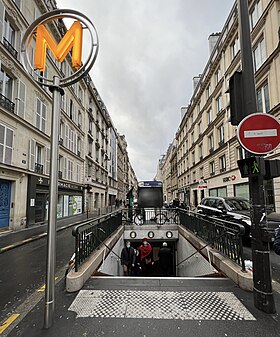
<point>39,168</point>
<point>59,174</point>
<point>10,47</point>
<point>7,104</point>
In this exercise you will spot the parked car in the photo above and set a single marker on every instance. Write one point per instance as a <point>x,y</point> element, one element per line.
<point>235,209</point>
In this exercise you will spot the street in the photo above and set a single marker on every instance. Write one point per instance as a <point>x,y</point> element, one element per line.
<point>23,269</point>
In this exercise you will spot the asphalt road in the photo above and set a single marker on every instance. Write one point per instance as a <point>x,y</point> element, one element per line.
<point>23,269</point>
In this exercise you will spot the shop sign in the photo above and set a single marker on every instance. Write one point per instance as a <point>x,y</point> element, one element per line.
<point>202,184</point>
<point>229,178</point>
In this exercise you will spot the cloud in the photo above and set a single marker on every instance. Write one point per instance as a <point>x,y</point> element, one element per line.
<point>149,52</point>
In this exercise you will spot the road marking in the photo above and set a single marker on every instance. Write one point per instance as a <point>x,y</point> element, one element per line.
<point>26,240</point>
<point>8,322</point>
<point>7,247</point>
<point>41,289</point>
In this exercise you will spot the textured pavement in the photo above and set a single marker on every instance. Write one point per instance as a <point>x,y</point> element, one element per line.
<point>152,307</point>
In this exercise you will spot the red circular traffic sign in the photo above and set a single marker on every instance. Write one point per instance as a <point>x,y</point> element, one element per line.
<point>259,133</point>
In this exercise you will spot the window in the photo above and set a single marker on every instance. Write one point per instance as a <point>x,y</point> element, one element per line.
<point>6,84</point>
<point>70,170</point>
<point>211,142</point>
<point>240,153</point>
<point>222,161</point>
<point>199,126</point>
<point>221,135</point>
<point>41,115</point>
<point>200,150</point>
<point>208,91</point>
<point>90,125</point>
<point>263,99</point>
<point>79,119</point>
<point>255,14</point>
<point>6,144</point>
<point>20,99</point>
<point>234,47</point>
<point>212,168</point>
<point>259,54</point>
<point>9,33</point>
<point>78,173</point>
<point>192,137</point>
<point>201,172</point>
<point>193,157</point>
<point>218,75</point>
<point>209,116</point>
<point>219,104</point>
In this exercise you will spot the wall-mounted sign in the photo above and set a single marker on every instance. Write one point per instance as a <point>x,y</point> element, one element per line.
<point>229,178</point>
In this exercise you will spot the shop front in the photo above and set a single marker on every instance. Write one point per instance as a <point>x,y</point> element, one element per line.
<point>69,202</point>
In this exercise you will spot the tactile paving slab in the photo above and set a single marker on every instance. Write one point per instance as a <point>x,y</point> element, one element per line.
<point>184,305</point>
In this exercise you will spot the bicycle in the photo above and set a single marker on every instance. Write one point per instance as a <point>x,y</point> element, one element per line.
<point>170,216</point>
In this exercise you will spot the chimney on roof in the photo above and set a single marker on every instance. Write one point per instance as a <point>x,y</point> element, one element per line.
<point>184,109</point>
<point>196,79</point>
<point>212,39</point>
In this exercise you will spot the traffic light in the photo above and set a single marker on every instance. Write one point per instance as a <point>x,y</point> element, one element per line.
<point>237,111</point>
<point>272,169</point>
<point>251,167</point>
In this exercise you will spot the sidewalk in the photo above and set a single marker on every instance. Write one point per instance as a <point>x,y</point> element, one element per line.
<point>153,307</point>
<point>11,239</point>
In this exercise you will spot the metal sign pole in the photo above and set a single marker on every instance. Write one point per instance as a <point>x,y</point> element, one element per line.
<point>52,212</point>
<point>263,295</point>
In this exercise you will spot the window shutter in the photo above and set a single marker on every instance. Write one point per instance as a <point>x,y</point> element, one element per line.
<point>32,149</point>
<point>47,160</point>
<point>44,117</point>
<point>65,168</point>
<point>9,146</point>
<point>2,11</point>
<point>20,99</point>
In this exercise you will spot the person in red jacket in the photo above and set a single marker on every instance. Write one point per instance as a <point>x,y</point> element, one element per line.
<point>146,257</point>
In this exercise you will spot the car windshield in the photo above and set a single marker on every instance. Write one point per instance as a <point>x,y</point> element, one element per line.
<point>238,204</point>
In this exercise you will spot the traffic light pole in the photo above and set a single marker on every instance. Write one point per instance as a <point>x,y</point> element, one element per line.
<point>263,296</point>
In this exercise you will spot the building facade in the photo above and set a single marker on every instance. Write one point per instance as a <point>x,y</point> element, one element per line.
<point>207,145</point>
<point>88,142</point>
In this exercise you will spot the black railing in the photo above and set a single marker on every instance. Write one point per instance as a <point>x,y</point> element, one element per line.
<point>222,235</point>
<point>59,174</point>
<point>39,168</point>
<point>7,104</point>
<point>10,47</point>
<point>150,216</point>
<point>90,235</point>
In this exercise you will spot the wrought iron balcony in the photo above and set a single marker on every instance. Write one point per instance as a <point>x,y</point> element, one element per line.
<point>7,104</point>
<point>39,168</point>
<point>59,174</point>
<point>10,47</point>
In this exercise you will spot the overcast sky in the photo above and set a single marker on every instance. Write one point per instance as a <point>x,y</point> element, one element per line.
<point>149,51</point>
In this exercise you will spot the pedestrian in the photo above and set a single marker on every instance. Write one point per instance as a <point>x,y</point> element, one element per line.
<point>127,259</point>
<point>276,245</point>
<point>136,270</point>
<point>165,259</point>
<point>146,257</point>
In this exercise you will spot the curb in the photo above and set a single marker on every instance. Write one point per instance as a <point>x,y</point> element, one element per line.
<point>34,238</point>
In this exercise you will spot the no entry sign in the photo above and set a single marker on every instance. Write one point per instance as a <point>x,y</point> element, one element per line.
<point>259,133</point>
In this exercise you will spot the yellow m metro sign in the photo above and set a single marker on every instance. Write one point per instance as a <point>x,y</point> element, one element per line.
<point>71,40</point>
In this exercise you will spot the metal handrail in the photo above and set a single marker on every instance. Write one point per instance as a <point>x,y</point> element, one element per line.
<point>225,236</point>
<point>91,234</point>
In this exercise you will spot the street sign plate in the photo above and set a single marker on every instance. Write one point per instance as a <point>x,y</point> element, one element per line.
<point>259,133</point>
